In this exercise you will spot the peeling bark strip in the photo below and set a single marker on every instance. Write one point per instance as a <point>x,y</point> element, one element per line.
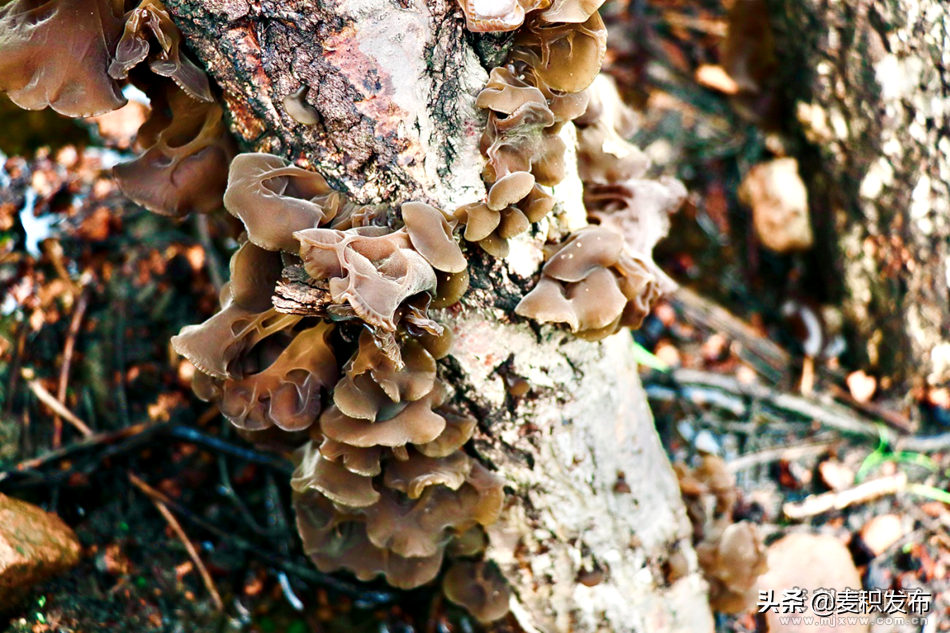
<point>871,82</point>
<point>393,87</point>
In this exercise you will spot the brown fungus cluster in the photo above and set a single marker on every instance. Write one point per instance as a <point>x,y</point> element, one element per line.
<point>731,554</point>
<point>592,284</point>
<point>75,55</point>
<point>150,33</point>
<point>384,485</point>
<point>602,277</point>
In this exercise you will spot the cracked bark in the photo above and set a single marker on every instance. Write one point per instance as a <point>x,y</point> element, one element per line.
<point>394,85</point>
<point>871,85</point>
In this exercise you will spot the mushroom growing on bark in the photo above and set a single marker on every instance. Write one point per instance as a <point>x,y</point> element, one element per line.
<point>187,149</point>
<point>57,53</point>
<point>150,32</point>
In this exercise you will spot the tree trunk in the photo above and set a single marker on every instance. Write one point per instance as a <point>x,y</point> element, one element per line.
<point>394,86</point>
<point>871,82</point>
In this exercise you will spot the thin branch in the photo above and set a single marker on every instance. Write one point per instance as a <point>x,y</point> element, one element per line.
<point>89,442</point>
<point>775,454</point>
<point>58,408</point>
<point>68,349</point>
<point>830,414</point>
<point>817,504</point>
<point>159,500</point>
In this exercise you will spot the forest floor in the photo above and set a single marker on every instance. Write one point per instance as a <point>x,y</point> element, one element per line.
<point>93,287</point>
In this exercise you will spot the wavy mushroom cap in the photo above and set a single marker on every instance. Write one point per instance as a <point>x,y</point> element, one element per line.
<point>371,270</point>
<point>604,155</point>
<point>591,284</point>
<point>642,288</point>
<point>149,22</point>
<point>522,131</point>
<point>395,535</point>
<point>286,391</point>
<point>564,56</point>
<point>373,384</point>
<point>458,430</point>
<point>431,235</point>
<point>537,204</point>
<point>583,252</point>
<point>413,422</point>
<point>450,287</point>
<point>742,552</point>
<point>274,198</point>
<point>480,220</point>
<point>187,150</point>
<point>438,344</point>
<point>336,541</point>
<point>493,228</point>
<point>299,109</point>
<point>638,209</point>
<point>56,53</point>
<point>509,189</point>
<point>570,10</point>
<point>421,527</point>
<point>604,103</point>
<point>506,93</point>
<point>363,461</point>
<point>412,476</point>
<point>332,479</point>
<point>482,16</point>
<point>471,542</point>
<point>591,305</point>
<point>479,587</point>
<point>714,476</point>
<point>534,148</point>
<point>732,564</point>
<point>215,345</point>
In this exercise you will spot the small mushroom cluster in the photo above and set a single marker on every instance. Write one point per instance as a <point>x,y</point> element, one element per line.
<point>75,55</point>
<point>529,99</point>
<point>731,554</point>
<point>602,277</point>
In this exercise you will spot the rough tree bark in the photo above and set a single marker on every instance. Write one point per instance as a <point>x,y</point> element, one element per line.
<point>394,85</point>
<point>871,82</point>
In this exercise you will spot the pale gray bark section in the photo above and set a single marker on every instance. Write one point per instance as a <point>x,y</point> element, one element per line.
<point>584,428</point>
<point>584,421</point>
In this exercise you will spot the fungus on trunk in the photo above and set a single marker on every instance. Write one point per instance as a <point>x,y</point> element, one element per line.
<point>56,53</point>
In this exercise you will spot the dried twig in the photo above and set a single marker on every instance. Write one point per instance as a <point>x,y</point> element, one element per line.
<point>828,413</point>
<point>58,408</point>
<point>78,312</point>
<point>89,442</point>
<point>774,454</point>
<point>362,596</point>
<point>770,360</point>
<point>159,500</point>
<point>817,504</point>
<point>924,443</point>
